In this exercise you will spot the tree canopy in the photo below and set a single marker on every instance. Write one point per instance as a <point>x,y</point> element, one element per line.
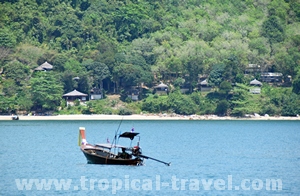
<point>114,44</point>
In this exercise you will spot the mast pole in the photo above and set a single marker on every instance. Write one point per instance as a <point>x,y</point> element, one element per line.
<point>115,138</point>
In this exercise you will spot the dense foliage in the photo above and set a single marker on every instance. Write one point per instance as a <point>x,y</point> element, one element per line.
<point>112,45</point>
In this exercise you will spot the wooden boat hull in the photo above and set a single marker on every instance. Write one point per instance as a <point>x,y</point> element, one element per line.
<point>94,156</point>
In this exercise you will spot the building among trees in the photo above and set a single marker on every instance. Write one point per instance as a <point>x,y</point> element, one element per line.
<point>44,67</point>
<point>161,88</point>
<point>133,94</point>
<point>96,94</point>
<point>204,86</point>
<point>255,87</point>
<point>271,77</point>
<point>71,97</point>
<point>253,69</point>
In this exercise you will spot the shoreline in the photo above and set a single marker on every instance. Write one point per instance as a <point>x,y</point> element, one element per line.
<point>144,117</point>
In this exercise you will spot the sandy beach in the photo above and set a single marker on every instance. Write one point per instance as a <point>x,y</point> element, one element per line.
<point>145,117</point>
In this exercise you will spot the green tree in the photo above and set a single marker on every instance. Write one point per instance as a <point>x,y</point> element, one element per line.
<point>7,38</point>
<point>83,83</point>
<point>17,71</point>
<point>291,105</point>
<point>9,87</point>
<point>7,104</point>
<point>225,88</point>
<point>222,108</point>
<point>216,74</point>
<point>271,109</point>
<point>232,69</point>
<point>73,65</point>
<point>296,86</point>
<point>46,91</point>
<point>144,47</point>
<point>181,104</point>
<point>98,72</point>
<point>24,100</point>
<point>196,97</point>
<point>59,62</point>
<point>155,104</point>
<point>193,67</point>
<point>128,21</point>
<point>178,82</point>
<point>273,29</point>
<point>67,79</point>
<point>132,75</point>
<point>296,81</point>
<point>259,44</point>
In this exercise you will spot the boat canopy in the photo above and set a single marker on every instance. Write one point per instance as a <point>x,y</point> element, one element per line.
<point>109,146</point>
<point>130,135</point>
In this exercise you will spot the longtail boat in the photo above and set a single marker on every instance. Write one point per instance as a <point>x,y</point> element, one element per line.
<point>113,153</point>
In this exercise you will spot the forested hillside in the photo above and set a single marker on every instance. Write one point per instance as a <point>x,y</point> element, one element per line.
<point>113,45</point>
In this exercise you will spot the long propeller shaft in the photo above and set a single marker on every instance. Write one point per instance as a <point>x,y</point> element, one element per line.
<point>146,157</point>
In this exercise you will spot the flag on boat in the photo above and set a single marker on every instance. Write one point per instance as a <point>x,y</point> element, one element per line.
<point>81,138</point>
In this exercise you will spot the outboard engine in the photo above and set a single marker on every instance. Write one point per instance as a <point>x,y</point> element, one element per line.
<point>136,150</point>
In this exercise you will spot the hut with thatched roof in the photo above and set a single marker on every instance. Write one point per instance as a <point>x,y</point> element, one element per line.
<point>44,67</point>
<point>255,87</point>
<point>204,86</point>
<point>75,95</point>
<point>161,88</point>
<point>255,83</point>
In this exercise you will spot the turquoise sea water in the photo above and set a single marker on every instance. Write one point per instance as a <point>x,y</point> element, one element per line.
<point>208,158</point>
